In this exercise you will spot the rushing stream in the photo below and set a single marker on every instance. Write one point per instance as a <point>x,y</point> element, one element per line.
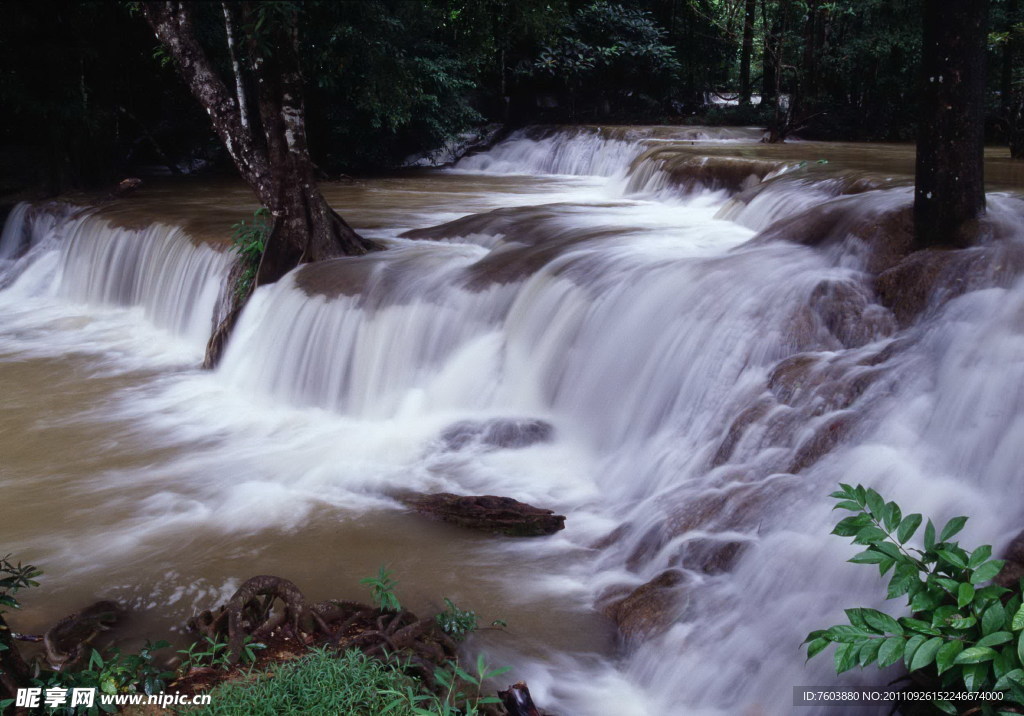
<point>706,392</point>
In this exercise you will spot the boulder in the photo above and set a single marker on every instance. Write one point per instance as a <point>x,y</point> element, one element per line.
<point>488,513</point>
<point>1013,570</point>
<point>649,609</point>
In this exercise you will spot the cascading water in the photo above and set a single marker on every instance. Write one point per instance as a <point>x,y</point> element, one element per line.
<point>705,393</point>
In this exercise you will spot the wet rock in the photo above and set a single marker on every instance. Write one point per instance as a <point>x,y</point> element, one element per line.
<point>792,377</point>
<point>1013,570</point>
<point>824,438</point>
<point>650,608</point>
<point>849,313</point>
<point>926,280</point>
<point>498,433</point>
<point>711,556</point>
<point>738,429</point>
<point>488,513</point>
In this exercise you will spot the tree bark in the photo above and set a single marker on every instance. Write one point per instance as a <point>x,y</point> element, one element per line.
<point>275,161</point>
<point>949,191</point>
<point>747,50</point>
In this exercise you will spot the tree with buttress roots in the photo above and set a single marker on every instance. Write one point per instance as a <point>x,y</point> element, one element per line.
<point>259,117</point>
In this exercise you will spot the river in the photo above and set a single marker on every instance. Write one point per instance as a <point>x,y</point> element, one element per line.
<point>646,291</point>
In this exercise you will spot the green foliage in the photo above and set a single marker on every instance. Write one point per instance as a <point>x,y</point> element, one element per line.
<point>213,653</point>
<point>964,633</point>
<point>456,623</point>
<point>351,683</point>
<point>387,81</point>
<point>13,578</point>
<point>114,673</point>
<point>382,590</point>
<point>607,51</point>
<point>454,701</point>
<point>249,240</point>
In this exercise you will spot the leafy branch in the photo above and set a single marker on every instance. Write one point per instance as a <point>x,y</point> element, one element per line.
<point>963,630</point>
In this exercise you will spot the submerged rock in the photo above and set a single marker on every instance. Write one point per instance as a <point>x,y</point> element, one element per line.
<point>649,609</point>
<point>497,433</point>
<point>488,513</point>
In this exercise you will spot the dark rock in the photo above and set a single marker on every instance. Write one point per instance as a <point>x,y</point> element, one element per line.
<point>1013,570</point>
<point>650,608</point>
<point>488,513</point>
<point>497,433</point>
<point>711,556</point>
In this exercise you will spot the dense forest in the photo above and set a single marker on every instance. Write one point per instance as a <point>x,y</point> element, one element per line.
<point>89,94</point>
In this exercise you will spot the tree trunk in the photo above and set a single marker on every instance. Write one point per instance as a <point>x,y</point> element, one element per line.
<point>747,50</point>
<point>949,192</point>
<point>275,162</point>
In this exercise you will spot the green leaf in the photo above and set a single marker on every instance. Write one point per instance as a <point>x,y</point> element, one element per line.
<point>1018,619</point>
<point>950,557</point>
<point>882,622</point>
<point>891,651</point>
<point>849,526</point>
<point>869,535</point>
<point>979,555</point>
<point>925,600</point>
<point>929,536</point>
<point>993,619</point>
<point>976,655</point>
<point>908,527</point>
<point>876,504</point>
<point>868,556</point>
<point>816,646</point>
<point>890,550</point>
<point>987,571</point>
<point>945,707</point>
<point>965,595</point>
<point>919,626</point>
<point>1020,648</point>
<point>994,639</point>
<point>952,527</point>
<point>893,515</point>
<point>926,654</point>
<point>845,657</point>
<point>946,655</point>
<point>1003,683</point>
<point>910,651</point>
<point>868,652</point>
<point>962,623</point>
<point>974,675</point>
<point>856,617</point>
<point>846,505</point>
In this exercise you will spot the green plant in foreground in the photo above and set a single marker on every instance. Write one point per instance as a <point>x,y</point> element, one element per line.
<point>249,240</point>
<point>323,682</point>
<point>965,633</point>
<point>455,622</point>
<point>382,590</point>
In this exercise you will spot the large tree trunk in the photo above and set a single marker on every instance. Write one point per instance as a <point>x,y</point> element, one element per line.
<point>747,50</point>
<point>950,188</point>
<point>275,162</point>
<point>771,52</point>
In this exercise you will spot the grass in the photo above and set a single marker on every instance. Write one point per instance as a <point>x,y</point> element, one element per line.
<point>318,683</point>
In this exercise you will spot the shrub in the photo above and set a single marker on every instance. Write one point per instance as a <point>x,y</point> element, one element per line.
<point>964,634</point>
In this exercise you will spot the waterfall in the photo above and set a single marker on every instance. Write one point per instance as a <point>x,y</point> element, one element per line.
<point>81,257</point>
<point>703,333</point>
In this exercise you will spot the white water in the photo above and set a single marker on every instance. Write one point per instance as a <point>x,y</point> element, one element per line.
<point>639,326</point>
